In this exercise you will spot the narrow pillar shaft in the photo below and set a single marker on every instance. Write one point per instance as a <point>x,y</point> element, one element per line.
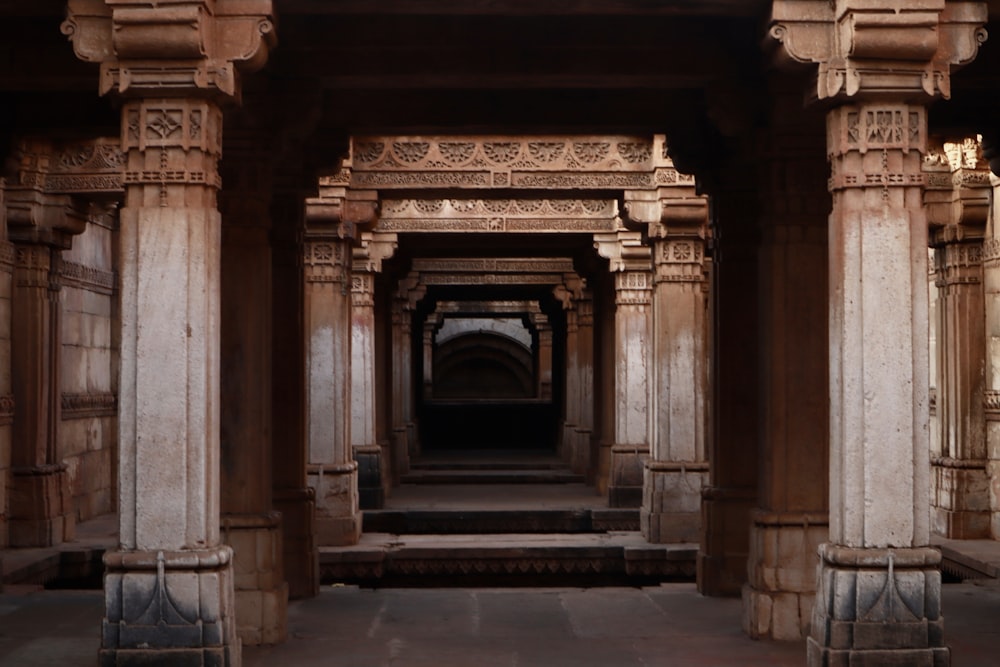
<point>6,397</point>
<point>880,589</point>
<point>731,494</point>
<point>545,362</point>
<point>633,352</point>
<point>41,512</point>
<point>366,448</point>
<point>677,468</point>
<point>171,584</point>
<point>293,496</point>
<point>582,459</point>
<point>991,289</point>
<point>790,521</point>
<point>250,526</point>
<point>332,470</point>
<point>428,358</point>
<point>571,390</point>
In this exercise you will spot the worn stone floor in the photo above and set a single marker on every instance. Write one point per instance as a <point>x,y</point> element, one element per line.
<point>669,625</point>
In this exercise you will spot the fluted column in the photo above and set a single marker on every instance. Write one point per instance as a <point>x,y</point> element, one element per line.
<point>373,462</point>
<point>633,350</point>
<point>958,200</point>
<point>677,468</point>
<point>332,471</point>
<point>879,596</point>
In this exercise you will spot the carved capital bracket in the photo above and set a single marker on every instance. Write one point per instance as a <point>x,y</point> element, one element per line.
<point>874,48</point>
<point>374,248</point>
<point>150,48</point>
<point>625,250</point>
<point>958,191</point>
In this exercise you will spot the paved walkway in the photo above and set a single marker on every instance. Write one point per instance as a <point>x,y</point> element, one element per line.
<point>669,625</point>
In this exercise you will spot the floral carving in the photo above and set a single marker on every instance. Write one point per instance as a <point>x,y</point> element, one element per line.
<point>76,156</point>
<point>428,205</point>
<point>323,252</point>
<point>593,205</point>
<point>635,152</point>
<point>884,127</point>
<point>502,152</point>
<point>463,205</point>
<point>528,205</point>
<point>562,205</point>
<point>590,152</point>
<point>368,151</point>
<point>496,205</point>
<point>546,151</point>
<point>682,251</point>
<point>163,124</point>
<point>411,151</point>
<point>456,152</point>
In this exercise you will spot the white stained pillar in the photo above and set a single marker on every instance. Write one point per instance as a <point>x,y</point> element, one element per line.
<point>879,579</point>
<point>332,472</point>
<point>677,468</point>
<point>366,450</point>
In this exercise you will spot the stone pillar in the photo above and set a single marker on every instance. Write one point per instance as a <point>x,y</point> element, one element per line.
<point>731,493</point>
<point>677,469</point>
<point>249,524</point>
<point>333,473</point>
<point>373,463</point>
<point>293,496</point>
<point>543,359</point>
<point>958,200</point>
<point>431,325</point>
<point>41,227</point>
<point>6,397</point>
<point>879,595</point>
<point>791,518</point>
<point>407,295</point>
<point>569,295</point>
<point>633,359</point>
<point>991,289</point>
<point>169,586</point>
<point>582,460</point>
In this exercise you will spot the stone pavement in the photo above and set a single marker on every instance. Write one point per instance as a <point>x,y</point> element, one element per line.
<point>669,625</point>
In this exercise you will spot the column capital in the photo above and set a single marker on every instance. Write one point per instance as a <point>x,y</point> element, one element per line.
<point>870,48</point>
<point>958,191</point>
<point>153,48</point>
<point>624,249</point>
<point>374,248</point>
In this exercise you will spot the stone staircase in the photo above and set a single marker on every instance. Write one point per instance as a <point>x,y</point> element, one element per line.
<point>489,520</point>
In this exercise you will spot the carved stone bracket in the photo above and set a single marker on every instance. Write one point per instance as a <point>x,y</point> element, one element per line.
<point>865,47</point>
<point>148,48</point>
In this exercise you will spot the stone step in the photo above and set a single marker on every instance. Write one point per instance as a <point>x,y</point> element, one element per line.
<point>480,521</point>
<point>491,476</point>
<point>615,558</point>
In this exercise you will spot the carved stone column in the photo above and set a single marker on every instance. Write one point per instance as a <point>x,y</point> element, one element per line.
<point>41,226</point>
<point>582,460</point>
<point>790,520</point>
<point>293,496</point>
<point>169,587</point>
<point>677,469</point>
<point>543,359</point>
<point>991,289</point>
<point>879,597</point>
<point>407,295</point>
<point>569,295</point>
<point>373,463</point>
<point>958,202</point>
<point>431,325</point>
<point>333,472</point>
<point>630,264</point>
<point>6,397</point>
<point>249,524</point>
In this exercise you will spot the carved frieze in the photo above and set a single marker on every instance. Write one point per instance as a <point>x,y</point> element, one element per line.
<point>558,265</point>
<point>81,406</point>
<point>497,215</point>
<point>633,288</point>
<point>680,260</point>
<point>87,277</point>
<point>566,162</point>
<point>6,256</point>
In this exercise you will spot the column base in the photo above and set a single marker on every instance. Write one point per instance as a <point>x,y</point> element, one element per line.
<point>778,598</point>
<point>878,607</point>
<point>567,443</point>
<point>41,509</point>
<point>169,608</point>
<point>299,552</point>
<point>582,460</point>
<point>261,591</point>
<point>671,501</point>
<point>371,493</point>
<point>338,520</point>
<point>722,556</point>
<point>960,508</point>
<point>626,476</point>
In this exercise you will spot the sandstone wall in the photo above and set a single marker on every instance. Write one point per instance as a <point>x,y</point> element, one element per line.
<point>88,431</point>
